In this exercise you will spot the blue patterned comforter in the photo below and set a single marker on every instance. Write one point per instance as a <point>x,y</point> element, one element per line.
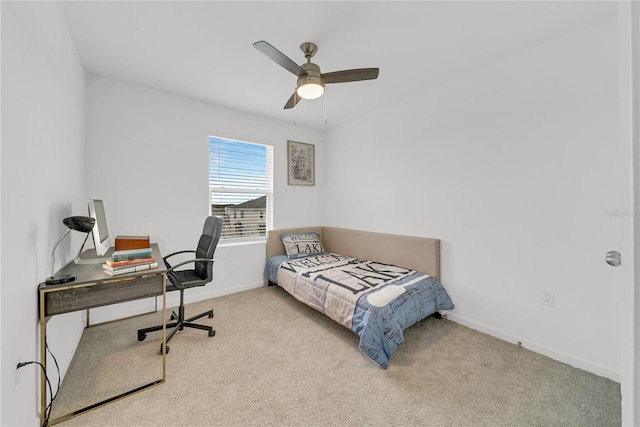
<point>377,301</point>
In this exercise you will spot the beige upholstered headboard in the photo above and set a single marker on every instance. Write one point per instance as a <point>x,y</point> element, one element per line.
<point>418,253</point>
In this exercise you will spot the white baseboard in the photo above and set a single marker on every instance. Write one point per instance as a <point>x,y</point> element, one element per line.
<point>74,328</point>
<point>137,307</point>
<point>216,291</point>
<point>212,291</point>
<point>575,361</point>
<point>123,310</point>
<point>63,337</point>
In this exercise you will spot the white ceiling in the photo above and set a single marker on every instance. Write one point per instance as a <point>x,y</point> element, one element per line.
<point>203,49</point>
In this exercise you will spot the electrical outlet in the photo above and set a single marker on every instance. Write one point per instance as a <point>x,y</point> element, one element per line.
<point>547,297</point>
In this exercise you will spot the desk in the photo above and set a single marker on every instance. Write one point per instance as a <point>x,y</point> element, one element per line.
<point>95,288</point>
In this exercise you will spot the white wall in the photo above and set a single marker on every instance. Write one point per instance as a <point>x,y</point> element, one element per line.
<point>148,153</point>
<point>43,89</point>
<point>510,165</point>
<point>514,166</point>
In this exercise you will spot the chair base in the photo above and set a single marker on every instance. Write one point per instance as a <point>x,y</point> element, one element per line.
<point>180,324</point>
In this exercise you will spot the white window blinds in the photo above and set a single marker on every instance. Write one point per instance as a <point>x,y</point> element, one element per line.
<point>241,187</point>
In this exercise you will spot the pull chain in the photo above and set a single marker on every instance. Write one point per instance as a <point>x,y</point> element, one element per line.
<point>325,107</point>
<point>294,116</point>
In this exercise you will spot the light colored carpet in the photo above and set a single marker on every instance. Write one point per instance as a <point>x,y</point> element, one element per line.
<point>276,362</point>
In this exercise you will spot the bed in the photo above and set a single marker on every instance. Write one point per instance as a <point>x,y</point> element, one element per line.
<point>375,284</point>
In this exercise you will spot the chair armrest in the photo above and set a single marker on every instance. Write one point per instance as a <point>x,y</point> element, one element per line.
<point>164,258</point>
<point>189,261</point>
<point>178,252</point>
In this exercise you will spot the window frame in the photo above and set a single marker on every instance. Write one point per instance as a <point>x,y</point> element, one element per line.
<point>232,217</point>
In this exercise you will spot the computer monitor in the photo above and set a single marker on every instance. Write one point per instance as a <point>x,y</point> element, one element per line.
<point>100,232</point>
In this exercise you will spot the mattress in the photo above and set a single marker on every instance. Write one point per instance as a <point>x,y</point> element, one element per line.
<point>377,301</point>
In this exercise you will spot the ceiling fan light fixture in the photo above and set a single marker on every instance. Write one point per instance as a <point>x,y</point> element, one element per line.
<point>310,91</point>
<point>310,86</point>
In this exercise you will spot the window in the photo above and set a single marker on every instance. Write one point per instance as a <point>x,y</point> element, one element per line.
<point>241,181</point>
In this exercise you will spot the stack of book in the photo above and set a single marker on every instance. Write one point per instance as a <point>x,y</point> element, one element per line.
<point>130,260</point>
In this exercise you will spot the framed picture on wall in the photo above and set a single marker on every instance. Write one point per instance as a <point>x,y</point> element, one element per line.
<point>301,163</point>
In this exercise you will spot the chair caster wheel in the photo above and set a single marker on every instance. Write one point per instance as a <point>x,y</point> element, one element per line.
<point>211,315</point>
<point>212,333</point>
<point>168,348</point>
<point>141,336</point>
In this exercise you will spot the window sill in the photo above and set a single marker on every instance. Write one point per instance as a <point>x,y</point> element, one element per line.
<point>243,242</point>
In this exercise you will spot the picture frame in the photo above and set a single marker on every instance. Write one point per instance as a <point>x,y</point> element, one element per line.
<point>301,168</point>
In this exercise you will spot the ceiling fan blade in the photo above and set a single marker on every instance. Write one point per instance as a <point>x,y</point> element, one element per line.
<point>279,58</point>
<point>350,75</point>
<point>292,101</point>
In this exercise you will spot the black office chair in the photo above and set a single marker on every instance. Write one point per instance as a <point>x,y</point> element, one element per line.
<point>181,279</point>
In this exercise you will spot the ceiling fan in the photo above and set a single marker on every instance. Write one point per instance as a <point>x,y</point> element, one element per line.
<point>310,80</point>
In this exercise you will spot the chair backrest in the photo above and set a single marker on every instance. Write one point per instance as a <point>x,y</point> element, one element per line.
<point>207,246</point>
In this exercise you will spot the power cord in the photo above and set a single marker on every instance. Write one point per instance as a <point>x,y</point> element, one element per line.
<point>47,411</point>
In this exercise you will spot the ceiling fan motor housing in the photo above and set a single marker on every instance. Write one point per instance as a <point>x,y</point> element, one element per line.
<point>313,75</point>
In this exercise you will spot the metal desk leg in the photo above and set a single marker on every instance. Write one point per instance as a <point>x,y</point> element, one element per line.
<point>43,360</point>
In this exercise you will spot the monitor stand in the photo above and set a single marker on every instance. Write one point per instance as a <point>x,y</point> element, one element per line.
<point>89,256</point>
